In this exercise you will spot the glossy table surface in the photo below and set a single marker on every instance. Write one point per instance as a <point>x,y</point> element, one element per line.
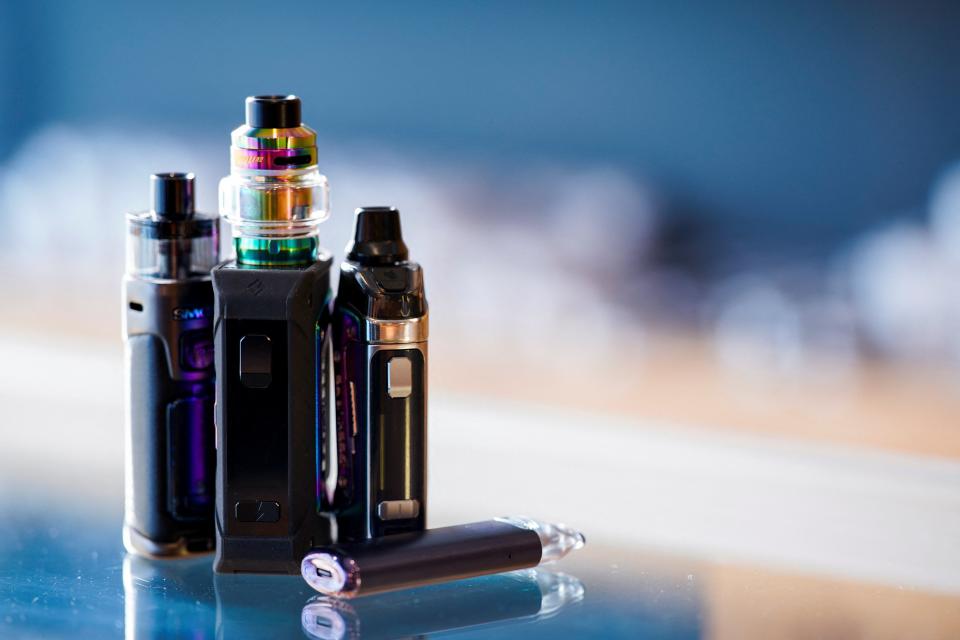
<point>64,574</point>
<point>689,534</point>
<point>59,583</point>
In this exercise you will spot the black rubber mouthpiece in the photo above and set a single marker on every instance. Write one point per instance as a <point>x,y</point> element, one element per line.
<point>273,112</point>
<point>172,195</point>
<point>377,238</point>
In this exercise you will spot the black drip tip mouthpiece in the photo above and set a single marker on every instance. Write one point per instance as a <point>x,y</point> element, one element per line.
<point>172,195</point>
<point>273,112</point>
<point>377,238</point>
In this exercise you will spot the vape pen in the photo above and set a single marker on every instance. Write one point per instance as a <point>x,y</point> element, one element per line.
<point>380,360</point>
<point>272,320</point>
<point>168,320</point>
<point>488,601</point>
<point>436,555</point>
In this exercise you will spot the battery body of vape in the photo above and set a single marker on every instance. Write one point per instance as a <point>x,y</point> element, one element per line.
<point>272,334</point>
<point>272,344</point>
<point>380,362</point>
<point>168,323</point>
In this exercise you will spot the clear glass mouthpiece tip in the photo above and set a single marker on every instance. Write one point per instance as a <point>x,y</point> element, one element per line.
<point>557,539</point>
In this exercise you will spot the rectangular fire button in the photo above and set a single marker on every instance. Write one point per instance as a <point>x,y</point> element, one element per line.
<point>398,509</point>
<point>399,377</point>
<point>257,511</point>
<point>255,359</point>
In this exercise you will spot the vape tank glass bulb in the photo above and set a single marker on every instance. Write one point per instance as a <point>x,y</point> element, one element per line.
<point>275,196</point>
<point>170,241</point>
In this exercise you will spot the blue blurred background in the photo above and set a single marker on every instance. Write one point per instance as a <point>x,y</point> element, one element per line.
<point>788,126</point>
<point>743,192</point>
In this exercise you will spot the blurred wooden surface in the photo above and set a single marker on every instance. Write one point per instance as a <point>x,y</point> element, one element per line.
<point>669,377</point>
<point>757,603</point>
<point>677,379</point>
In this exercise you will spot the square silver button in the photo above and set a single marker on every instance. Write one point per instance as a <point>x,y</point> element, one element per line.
<point>398,509</point>
<point>399,377</point>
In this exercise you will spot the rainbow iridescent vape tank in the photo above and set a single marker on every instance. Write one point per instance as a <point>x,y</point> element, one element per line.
<point>272,344</point>
<point>168,326</point>
<point>380,363</point>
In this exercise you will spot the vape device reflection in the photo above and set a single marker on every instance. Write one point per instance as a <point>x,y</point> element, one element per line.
<point>168,599</point>
<point>380,360</point>
<point>491,601</point>
<point>168,320</point>
<point>272,344</point>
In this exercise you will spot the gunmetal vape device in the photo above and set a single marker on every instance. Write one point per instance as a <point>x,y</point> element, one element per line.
<point>427,557</point>
<point>168,325</point>
<point>272,320</point>
<point>380,360</point>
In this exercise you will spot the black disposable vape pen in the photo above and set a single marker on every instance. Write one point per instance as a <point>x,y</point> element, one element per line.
<point>168,325</point>
<point>380,360</point>
<point>272,320</point>
<point>436,555</point>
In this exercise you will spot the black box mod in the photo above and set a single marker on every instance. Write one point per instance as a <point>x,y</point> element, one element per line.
<point>270,350</point>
